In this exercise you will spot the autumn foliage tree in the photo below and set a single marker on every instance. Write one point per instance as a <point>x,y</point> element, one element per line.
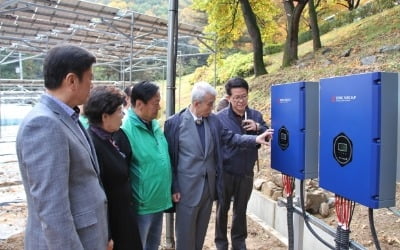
<point>230,19</point>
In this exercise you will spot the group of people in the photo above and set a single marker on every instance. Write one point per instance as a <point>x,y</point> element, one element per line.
<point>106,185</point>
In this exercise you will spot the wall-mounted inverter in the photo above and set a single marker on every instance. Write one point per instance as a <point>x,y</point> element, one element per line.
<point>358,137</point>
<point>294,118</point>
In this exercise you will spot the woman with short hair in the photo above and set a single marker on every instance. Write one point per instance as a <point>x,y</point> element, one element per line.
<point>104,112</point>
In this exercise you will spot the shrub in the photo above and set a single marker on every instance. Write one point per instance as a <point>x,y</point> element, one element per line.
<point>203,73</point>
<point>305,36</point>
<point>236,65</point>
<point>270,49</point>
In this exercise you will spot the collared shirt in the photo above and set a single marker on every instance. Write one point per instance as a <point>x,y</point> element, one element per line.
<point>70,111</point>
<point>147,124</point>
<point>200,128</point>
<point>73,113</point>
<point>195,118</point>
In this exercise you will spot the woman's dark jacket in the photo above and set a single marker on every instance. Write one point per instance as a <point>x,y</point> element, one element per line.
<point>114,172</point>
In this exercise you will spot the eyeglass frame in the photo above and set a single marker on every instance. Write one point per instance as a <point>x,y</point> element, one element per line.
<point>239,98</point>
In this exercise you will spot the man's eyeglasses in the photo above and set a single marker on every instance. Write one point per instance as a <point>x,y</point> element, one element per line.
<point>239,98</point>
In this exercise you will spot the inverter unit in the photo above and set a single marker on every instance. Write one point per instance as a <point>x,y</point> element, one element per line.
<point>294,118</point>
<point>358,137</point>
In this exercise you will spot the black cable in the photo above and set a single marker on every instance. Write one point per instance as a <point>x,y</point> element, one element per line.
<point>337,237</point>
<point>289,214</point>
<point>353,206</point>
<point>372,226</point>
<point>343,207</point>
<point>344,239</point>
<point>305,217</point>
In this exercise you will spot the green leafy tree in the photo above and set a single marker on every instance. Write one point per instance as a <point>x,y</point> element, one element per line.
<point>31,68</point>
<point>230,23</point>
<point>8,71</point>
<point>106,73</point>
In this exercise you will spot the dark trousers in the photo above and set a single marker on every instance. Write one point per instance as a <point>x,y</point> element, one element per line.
<point>239,188</point>
<point>192,222</point>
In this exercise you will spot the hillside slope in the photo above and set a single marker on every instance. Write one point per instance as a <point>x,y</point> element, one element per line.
<point>362,39</point>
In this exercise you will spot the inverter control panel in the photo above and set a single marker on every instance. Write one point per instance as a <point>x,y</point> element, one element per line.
<point>294,118</point>
<point>358,137</point>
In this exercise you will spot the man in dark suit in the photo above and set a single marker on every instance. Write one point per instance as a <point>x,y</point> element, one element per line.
<point>195,137</point>
<point>67,207</point>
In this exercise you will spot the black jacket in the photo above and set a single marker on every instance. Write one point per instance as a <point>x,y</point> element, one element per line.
<point>114,172</point>
<point>238,160</point>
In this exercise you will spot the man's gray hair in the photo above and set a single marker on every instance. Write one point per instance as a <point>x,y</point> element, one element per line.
<point>201,89</point>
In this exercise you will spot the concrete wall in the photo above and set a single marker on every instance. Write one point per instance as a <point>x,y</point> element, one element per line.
<point>274,219</point>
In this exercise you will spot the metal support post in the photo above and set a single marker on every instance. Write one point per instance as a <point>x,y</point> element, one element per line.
<point>170,109</point>
<point>298,222</point>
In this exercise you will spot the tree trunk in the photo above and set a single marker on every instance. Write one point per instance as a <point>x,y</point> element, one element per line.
<point>293,14</point>
<point>314,25</point>
<point>254,32</point>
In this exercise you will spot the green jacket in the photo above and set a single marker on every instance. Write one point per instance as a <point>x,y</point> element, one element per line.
<point>150,168</point>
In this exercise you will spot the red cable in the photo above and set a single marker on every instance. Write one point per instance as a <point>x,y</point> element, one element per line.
<point>344,211</point>
<point>337,207</point>
<point>288,184</point>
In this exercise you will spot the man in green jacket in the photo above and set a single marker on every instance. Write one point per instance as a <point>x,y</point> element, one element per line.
<point>150,168</point>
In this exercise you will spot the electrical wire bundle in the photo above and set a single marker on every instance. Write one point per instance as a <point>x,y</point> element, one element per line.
<point>344,212</point>
<point>288,186</point>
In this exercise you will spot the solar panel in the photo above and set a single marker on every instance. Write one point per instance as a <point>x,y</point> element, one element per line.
<point>35,26</point>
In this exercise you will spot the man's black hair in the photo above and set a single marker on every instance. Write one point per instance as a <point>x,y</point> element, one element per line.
<point>65,59</point>
<point>235,82</point>
<point>143,91</point>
